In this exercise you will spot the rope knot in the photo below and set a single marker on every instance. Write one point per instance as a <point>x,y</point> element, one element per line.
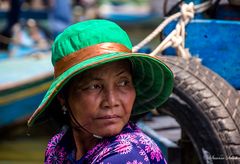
<point>187,11</point>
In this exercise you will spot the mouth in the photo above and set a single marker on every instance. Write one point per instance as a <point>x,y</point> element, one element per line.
<point>108,117</point>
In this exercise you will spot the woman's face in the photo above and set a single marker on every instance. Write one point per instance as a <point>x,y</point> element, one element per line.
<point>101,99</point>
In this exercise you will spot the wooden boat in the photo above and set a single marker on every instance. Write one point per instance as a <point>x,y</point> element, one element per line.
<point>23,83</point>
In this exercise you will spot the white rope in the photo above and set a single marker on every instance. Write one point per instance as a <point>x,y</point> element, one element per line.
<point>155,32</point>
<point>176,38</point>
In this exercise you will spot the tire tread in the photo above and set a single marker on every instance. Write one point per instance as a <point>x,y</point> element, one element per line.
<point>214,95</point>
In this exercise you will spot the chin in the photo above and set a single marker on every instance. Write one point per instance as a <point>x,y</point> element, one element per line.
<point>110,131</point>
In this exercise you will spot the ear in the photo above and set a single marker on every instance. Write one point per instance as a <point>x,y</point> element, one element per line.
<point>61,99</point>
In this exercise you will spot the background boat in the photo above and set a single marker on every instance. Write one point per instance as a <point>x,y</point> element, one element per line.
<point>23,83</point>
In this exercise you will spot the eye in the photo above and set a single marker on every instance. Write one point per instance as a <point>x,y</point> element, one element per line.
<point>94,87</point>
<point>123,83</point>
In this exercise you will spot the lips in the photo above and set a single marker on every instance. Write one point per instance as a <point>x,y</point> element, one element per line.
<point>108,117</point>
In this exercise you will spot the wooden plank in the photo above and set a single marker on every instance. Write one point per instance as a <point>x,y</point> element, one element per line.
<point>165,126</point>
<point>162,122</point>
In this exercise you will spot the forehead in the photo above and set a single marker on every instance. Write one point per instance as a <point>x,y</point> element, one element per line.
<point>113,67</point>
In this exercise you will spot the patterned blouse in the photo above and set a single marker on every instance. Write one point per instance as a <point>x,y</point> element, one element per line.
<point>131,146</point>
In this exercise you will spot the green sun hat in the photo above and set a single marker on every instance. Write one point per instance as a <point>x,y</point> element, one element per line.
<point>91,43</point>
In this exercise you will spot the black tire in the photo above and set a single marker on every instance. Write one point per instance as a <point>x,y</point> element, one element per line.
<point>208,111</point>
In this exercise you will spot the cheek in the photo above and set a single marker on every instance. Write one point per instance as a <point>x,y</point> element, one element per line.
<point>129,100</point>
<point>83,107</point>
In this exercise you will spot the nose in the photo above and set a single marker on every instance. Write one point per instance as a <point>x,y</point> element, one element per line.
<point>110,98</point>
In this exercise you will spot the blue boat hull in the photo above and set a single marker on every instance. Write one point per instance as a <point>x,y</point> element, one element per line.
<point>23,84</point>
<point>19,111</point>
<point>216,43</point>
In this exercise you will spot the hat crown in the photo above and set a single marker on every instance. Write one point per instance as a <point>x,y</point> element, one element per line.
<point>85,34</point>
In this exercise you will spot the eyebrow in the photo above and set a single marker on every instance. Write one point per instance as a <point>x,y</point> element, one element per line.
<point>94,78</point>
<point>121,72</point>
<point>99,78</point>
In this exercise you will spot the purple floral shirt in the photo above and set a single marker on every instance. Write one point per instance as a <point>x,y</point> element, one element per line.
<point>131,146</point>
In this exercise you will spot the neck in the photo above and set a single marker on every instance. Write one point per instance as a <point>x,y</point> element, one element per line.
<point>84,142</point>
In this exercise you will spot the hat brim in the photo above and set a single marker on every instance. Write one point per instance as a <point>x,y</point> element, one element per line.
<point>153,81</point>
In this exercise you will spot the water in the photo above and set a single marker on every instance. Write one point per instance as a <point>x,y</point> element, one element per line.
<point>23,150</point>
<point>17,146</point>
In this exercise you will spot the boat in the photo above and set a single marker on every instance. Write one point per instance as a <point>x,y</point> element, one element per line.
<point>23,83</point>
<point>26,73</point>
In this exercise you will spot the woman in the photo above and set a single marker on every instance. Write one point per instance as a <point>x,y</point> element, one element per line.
<point>99,84</point>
